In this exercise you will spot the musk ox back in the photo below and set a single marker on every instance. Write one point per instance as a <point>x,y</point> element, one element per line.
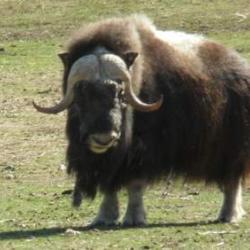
<point>144,103</point>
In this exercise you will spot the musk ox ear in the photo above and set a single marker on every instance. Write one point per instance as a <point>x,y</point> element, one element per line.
<point>64,56</point>
<point>129,58</point>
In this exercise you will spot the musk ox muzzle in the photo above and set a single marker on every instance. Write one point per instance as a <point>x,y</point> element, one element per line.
<point>101,143</point>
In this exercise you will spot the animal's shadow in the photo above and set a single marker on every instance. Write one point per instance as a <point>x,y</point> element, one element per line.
<point>47,232</point>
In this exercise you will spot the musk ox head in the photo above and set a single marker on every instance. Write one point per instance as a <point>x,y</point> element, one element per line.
<point>99,87</point>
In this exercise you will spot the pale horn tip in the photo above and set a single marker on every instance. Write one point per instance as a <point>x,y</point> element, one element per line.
<point>158,103</point>
<point>154,106</point>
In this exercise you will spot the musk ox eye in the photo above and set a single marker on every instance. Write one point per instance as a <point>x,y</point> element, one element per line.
<point>121,96</point>
<point>81,86</point>
<point>119,81</point>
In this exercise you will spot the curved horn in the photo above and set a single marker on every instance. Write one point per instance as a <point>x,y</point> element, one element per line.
<point>136,103</point>
<point>83,68</point>
<point>58,107</point>
<point>114,65</point>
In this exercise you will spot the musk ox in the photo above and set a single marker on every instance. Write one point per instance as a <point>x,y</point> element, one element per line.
<point>143,103</point>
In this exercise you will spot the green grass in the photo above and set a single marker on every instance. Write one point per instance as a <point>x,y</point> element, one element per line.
<point>34,214</point>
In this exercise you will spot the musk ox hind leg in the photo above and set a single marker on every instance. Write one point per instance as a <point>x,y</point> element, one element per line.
<point>232,210</point>
<point>109,211</point>
<point>135,214</point>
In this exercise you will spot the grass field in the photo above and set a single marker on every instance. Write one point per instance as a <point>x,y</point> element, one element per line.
<point>35,213</point>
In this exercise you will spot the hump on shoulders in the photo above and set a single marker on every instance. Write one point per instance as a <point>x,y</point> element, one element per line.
<point>181,41</point>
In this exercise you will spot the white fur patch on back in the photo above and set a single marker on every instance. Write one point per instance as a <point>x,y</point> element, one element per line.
<point>181,41</point>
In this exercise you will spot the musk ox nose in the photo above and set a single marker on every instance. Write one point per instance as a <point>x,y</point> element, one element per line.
<point>104,139</point>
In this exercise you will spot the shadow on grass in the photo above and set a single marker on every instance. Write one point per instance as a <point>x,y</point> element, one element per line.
<point>47,232</point>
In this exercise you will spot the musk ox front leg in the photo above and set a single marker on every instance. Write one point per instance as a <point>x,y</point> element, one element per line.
<point>109,211</point>
<point>135,214</point>
<point>232,210</point>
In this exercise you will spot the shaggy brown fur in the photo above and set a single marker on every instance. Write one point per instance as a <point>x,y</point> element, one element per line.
<point>202,131</point>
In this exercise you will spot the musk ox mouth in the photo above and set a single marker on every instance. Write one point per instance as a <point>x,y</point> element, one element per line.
<point>103,142</point>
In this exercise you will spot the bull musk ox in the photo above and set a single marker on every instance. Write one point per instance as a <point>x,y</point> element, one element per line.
<point>143,103</point>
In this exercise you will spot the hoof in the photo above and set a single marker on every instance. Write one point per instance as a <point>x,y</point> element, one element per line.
<point>135,220</point>
<point>103,222</point>
<point>232,217</point>
<point>134,223</point>
<point>96,224</point>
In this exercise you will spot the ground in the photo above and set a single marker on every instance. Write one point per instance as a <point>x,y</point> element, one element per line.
<point>35,207</point>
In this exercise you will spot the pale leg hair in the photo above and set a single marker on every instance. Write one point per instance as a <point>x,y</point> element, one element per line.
<point>135,214</point>
<point>109,211</point>
<point>232,210</point>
